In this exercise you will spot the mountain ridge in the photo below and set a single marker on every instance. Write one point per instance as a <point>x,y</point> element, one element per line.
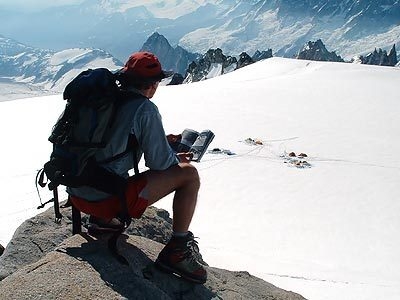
<point>347,27</point>
<point>49,70</point>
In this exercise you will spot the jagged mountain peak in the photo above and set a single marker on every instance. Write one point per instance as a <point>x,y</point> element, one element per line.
<point>317,51</point>
<point>214,63</point>
<point>172,58</point>
<point>380,57</point>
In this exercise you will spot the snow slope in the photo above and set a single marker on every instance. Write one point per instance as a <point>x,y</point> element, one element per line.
<point>327,231</point>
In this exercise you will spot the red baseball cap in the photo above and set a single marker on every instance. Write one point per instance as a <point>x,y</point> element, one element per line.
<point>145,66</point>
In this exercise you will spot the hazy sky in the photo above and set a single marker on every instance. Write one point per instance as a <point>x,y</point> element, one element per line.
<point>34,4</point>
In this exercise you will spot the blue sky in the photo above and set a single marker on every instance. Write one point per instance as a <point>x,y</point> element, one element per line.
<point>34,4</point>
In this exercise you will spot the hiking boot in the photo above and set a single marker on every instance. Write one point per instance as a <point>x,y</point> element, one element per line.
<point>180,256</point>
<point>97,225</point>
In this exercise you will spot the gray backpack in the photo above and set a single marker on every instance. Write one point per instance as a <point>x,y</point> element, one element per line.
<point>84,127</point>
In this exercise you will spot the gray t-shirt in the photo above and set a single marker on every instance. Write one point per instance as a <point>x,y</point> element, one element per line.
<point>138,116</point>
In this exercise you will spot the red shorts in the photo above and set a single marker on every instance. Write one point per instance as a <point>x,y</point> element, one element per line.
<point>111,207</point>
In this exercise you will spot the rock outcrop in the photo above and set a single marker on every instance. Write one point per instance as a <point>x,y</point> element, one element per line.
<point>43,261</point>
<point>176,79</point>
<point>381,57</point>
<point>262,55</point>
<point>39,235</point>
<point>83,268</point>
<point>317,51</point>
<point>176,59</point>
<point>244,60</point>
<point>214,63</point>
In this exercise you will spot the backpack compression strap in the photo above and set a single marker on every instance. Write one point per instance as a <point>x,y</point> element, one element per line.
<point>40,180</point>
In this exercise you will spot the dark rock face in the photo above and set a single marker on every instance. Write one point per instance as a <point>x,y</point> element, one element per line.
<point>381,57</point>
<point>214,63</point>
<point>392,57</point>
<point>317,51</point>
<point>175,59</point>
<point>244,60</point>
<point>1,250</point>
<point>199,70</point>
<point>262,55</point>
<point>176,79</point>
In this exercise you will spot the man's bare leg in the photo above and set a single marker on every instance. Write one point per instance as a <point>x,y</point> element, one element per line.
<point>174,258</point>
<point>184,180</point>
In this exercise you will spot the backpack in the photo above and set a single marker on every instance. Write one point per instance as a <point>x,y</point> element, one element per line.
<point>84,127</point>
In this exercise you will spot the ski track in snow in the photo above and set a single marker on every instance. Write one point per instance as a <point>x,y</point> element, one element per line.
<point>324,280</point>
<point>273,156</point>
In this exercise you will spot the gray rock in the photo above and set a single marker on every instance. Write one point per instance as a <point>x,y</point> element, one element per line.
<point>43,261</point>
<point>381,57</point>
<point>1,249</point>
<point>176,59</point>
<point>83,268</point>
<point>199,70</point>
<point>40,235</point>
<point>262,55</point>
<point>392,56</point>
<point>317,51</point>
<point>244,60</point>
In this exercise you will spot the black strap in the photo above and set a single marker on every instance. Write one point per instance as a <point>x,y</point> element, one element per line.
<point>39,180</point>
<point>112,246</point>
<point>135,158</point>
<point>124,214</point>
<point>130,147</point>
<point>58,215</point>
<point>76,220</point>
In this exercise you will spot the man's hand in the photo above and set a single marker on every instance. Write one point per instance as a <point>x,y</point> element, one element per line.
<point>185,156</point>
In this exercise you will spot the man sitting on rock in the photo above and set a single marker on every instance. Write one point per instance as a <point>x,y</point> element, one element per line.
<point>168,172</point>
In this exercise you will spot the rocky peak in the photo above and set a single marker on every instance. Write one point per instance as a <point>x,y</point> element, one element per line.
<point>262,55</point>
<point>200,69</point>
<point>175,59</point>
<point>392,56</point>
<point>157,42</point>
<point>244,60</point>
<point>381,57</point>
<point>215,56</point>
<point>317,51</point>
<point>214,63</point>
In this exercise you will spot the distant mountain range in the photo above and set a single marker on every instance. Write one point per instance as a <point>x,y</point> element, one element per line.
<point>46,69</point>
<point>120,27</point>
<point>50,70</point>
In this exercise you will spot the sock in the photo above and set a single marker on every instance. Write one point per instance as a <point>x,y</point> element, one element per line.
<point>180,234</point>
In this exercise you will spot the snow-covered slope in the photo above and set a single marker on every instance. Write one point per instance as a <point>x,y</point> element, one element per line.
<point>45,69</point>
<point>327,229</point>
<point>161,9</point>
<point>346,27</point>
